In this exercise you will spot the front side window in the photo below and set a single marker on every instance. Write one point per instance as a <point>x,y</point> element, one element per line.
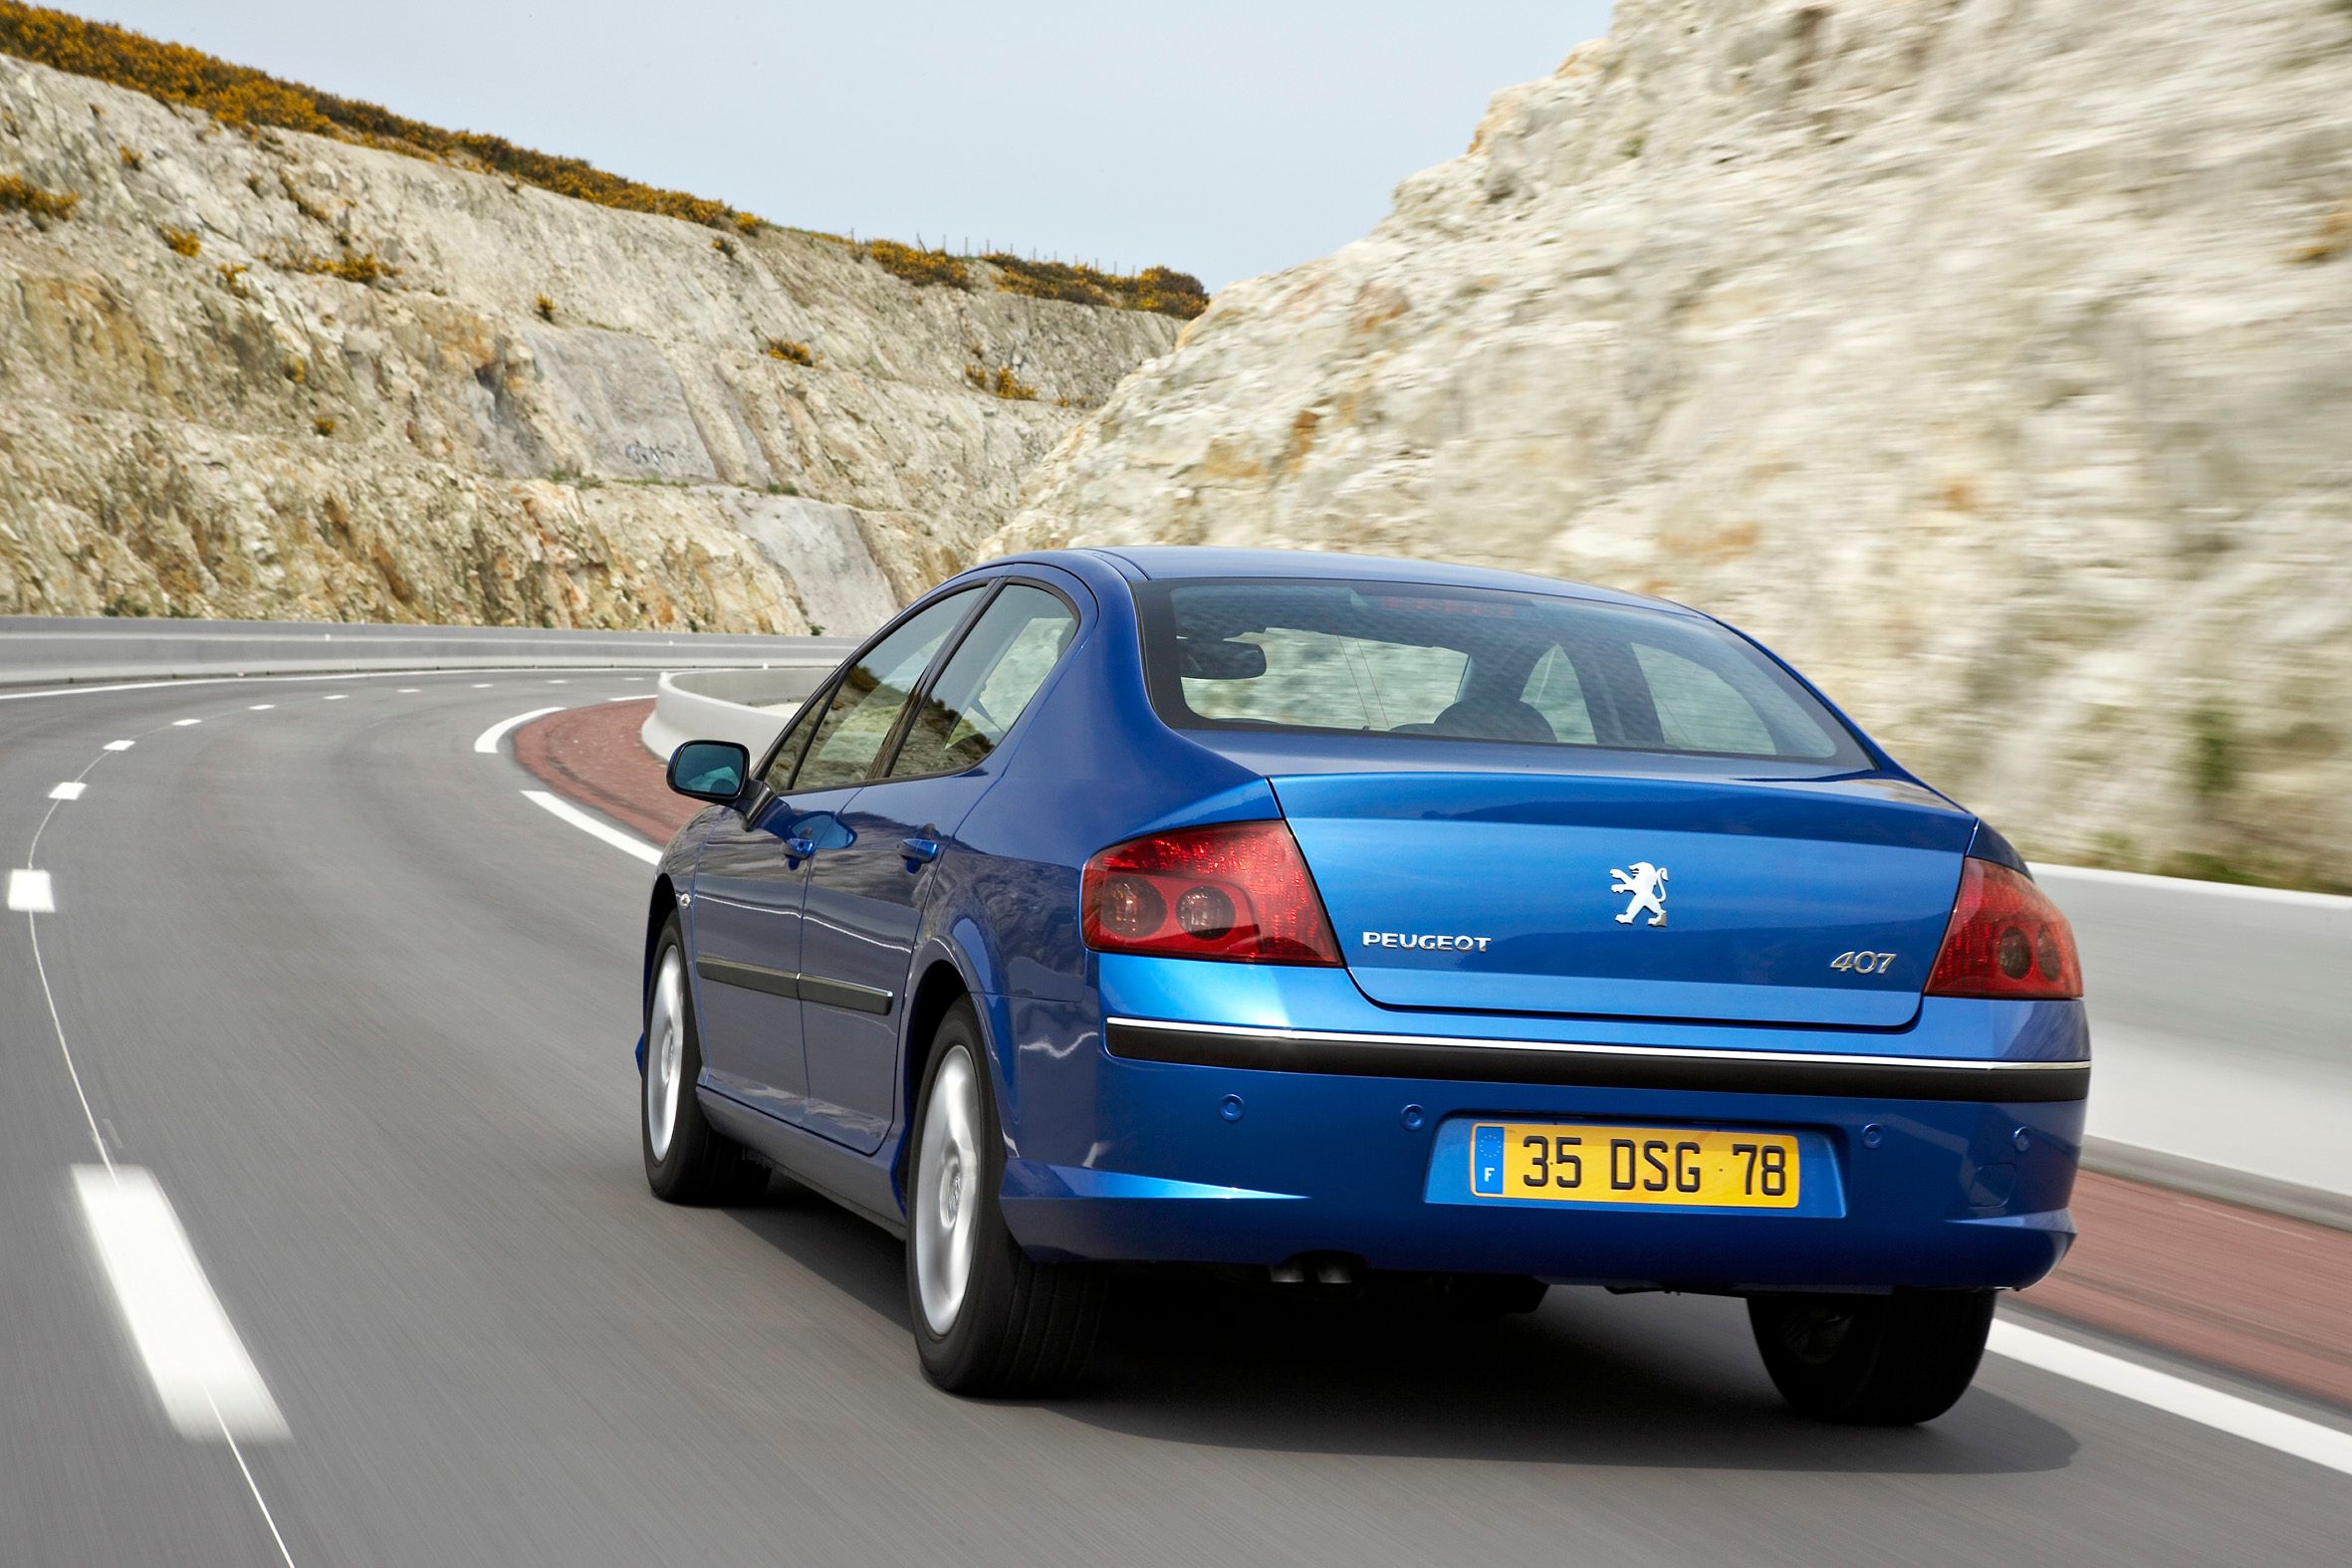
<point>866,703</point>
<point>987,682</point>
<point>1473,664</point>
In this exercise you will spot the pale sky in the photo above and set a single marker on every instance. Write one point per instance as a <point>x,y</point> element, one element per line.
<point>1219,136</point>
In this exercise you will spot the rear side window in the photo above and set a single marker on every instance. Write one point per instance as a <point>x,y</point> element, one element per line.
<point>987,682</point>
<point>1474,664</point>
<point>866,703</point>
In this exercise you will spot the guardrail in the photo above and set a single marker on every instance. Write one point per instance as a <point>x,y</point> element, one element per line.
<point>2220,1016</point>
<point>41,651</point>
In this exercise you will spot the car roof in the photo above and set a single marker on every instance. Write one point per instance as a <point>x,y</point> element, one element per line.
<point>1180,563</point>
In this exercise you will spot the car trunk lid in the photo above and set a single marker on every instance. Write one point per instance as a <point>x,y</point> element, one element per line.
<point>1791,901</point>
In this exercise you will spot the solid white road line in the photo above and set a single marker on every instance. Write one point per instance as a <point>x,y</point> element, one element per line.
<point>2207,1407</point>
<point>619,840</point>
<point>181,723</point>
<point>625,699</point>
<point>207,1383</point>
<point>120,746</point>
<point>261,707</point>
<point>71,790</point>
<point>487,741</point>
<point>29,890</point>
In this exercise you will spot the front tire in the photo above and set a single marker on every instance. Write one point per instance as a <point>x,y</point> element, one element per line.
<point>1872,1361</point>
<point>687,1160</point>
<point>988,1320</point>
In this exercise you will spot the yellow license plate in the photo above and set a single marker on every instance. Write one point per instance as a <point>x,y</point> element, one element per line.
<point>1633,1165</point>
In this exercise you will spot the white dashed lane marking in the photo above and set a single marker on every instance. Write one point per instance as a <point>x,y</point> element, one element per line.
<point>209,1386</point>
<point>30,891</point>
<point>261,707</point>
<point>334,697</point>
<point>71,790</point>
<point>487,741</point>
<point>181,723</point>
<point>120,746</point>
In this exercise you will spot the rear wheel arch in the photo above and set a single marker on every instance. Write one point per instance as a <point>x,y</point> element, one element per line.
<point>939,987</point>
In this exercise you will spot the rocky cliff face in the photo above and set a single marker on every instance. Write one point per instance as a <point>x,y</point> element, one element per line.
<point>1990,359</point>
<point>267,375</point>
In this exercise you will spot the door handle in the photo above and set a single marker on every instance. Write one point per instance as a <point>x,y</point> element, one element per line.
<point>797,850</point>
<point>919,852</point>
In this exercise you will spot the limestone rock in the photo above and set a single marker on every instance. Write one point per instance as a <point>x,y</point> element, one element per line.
<point>233,433</point>
<point>1991,360</point>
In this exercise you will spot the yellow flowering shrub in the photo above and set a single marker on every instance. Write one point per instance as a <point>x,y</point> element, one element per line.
<point>18,195</point>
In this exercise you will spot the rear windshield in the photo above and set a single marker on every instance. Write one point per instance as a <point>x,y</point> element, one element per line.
<point>1472,664</point>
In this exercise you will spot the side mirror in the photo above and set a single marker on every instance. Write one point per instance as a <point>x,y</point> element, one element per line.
<point>709,770</point>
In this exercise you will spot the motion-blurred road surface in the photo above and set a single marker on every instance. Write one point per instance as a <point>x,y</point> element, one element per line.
<point>363,1012</point>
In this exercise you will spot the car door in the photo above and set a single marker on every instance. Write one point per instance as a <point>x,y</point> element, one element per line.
<point>863,906</point>
<point>749,885</point>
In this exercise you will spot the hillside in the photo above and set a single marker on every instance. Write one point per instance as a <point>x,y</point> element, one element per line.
<point>249,370</point>
<point>1993,361</point>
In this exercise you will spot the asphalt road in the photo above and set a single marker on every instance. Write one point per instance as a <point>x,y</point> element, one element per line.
<point>365,1012</point>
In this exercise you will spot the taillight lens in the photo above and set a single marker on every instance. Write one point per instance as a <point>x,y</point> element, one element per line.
<point>2005,938</point>
<point>1238,891</point>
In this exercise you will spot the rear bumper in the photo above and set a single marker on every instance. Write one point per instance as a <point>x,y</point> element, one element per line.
<point>1589,1065</point>
<point>1926,1166</point>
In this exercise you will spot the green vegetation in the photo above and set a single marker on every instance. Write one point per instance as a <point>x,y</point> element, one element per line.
<point>17,196</point>
<point>248,99</point>
<point>2213,753</point>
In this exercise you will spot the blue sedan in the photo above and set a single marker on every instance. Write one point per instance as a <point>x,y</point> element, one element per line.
<point>1368,925</point>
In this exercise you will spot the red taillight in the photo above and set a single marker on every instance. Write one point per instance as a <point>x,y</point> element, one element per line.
<point>1237,891</point>
<point>2005,938</point>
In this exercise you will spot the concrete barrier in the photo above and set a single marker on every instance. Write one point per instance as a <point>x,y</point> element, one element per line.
<point>2221,1032</point>
<point>727,705</point>
<point>40,650</point>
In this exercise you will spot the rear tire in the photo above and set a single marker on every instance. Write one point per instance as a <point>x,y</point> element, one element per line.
<point>988,1320</point>
<point>1872,1361</point>
<point>687,1160</point>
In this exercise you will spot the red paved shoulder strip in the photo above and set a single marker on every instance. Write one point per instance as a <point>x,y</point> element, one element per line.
<point>592,755</point>
<point>2253,1293</point>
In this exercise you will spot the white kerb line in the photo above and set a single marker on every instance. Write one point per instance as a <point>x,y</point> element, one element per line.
<point>2176,1395</point>
<point>487,742</point>
<point>565,811</point>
